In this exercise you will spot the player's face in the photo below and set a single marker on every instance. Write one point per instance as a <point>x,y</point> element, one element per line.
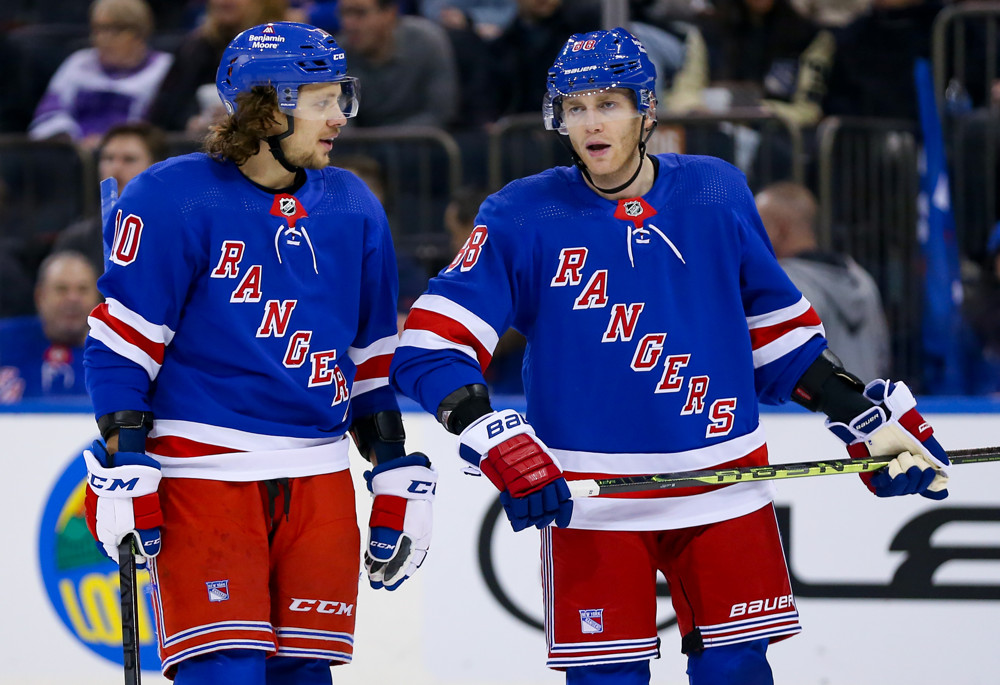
<point>64,298</point>
<point>604,130</point>
<point>310,144</point>
<point>123,157</point>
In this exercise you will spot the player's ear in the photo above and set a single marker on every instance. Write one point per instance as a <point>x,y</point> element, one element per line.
<point>279,123</point>
<point>651,115</point>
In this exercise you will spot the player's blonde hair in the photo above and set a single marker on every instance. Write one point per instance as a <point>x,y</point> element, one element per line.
<point>239,135</point>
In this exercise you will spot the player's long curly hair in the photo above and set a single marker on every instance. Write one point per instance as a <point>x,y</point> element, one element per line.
<point>238,136</point>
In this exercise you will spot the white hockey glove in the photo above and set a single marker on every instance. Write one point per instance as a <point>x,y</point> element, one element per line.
<point>893,426</point>
<point>399,529</point>
<point>121,500</point>
<point>531,484</point>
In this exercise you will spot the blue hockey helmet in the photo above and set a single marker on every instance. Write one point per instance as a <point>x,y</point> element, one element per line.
<point>285,55</point>
<point>598,61</point>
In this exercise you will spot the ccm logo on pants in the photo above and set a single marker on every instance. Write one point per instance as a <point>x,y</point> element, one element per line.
<point>321,606</point>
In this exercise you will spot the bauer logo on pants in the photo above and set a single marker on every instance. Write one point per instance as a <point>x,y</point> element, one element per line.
<point>82,583</point>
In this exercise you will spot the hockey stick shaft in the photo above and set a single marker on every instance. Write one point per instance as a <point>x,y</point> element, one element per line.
<point>744,474</point>
<point>130,610</point>
<point>109,195</point>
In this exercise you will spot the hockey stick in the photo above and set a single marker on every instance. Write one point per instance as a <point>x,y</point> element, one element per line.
<point>743,474</point>
<point>130,610</point>
<point>127,585</point>
<point>109,195</point>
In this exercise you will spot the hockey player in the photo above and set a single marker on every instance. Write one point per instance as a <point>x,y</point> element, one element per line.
<point>657,318</point>
<point>249,321</point>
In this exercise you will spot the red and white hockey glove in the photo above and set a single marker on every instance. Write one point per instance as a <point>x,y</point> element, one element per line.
<point>893,426</point>
<point>531,484</point>
<point>121,500</point>
<point>399,529</point>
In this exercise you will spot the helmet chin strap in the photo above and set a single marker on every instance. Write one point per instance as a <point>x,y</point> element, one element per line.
<point>274,144</point>
<point>586,173</point>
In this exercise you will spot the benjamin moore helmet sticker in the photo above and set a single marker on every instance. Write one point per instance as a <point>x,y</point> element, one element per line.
<point>82,583</point>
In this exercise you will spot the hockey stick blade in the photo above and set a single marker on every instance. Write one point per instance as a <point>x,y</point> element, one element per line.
<point>744,474</point>
<point>130,610</point>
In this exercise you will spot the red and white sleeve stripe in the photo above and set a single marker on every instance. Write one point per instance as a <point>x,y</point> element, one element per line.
<point>130,335</point>
<point>437,323</point>
<point>372,364</point>
<point>777,333</point>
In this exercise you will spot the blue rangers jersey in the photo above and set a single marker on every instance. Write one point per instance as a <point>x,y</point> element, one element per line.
<point>253,325</point>
<point>654,326</point>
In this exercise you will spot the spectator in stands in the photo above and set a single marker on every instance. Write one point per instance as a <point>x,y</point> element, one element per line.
<point>42,356</point>
<point>538,32</point>
<point>872,73</point>
<point>758,53</point>
<point>404,64</point>
<point>11,108</point>
<point>982,312</point>
<point>319,13</point>
<point>15,283</point>
<point>109,83</point>
<point>523,52</point>
<point>663,13</point>
<point>487,18</point>
<point>125,150</point>
<point>503,375</point>
<point>843,294</point>
<point>832,13</point>
<point>187,100</point>
<point>413,276</point>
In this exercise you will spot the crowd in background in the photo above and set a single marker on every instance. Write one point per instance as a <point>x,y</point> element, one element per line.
<point>118,77</point>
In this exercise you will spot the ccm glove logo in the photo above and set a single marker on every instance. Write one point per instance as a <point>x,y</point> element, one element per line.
<point>497,427</point>
<point>421,487</point>
<point>112,484</point>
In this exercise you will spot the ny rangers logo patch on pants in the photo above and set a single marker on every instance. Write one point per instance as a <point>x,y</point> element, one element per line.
<point>218,590</point>
<point>591,620</point>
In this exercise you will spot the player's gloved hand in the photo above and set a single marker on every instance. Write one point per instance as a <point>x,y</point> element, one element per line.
<point>399,529</point>
<point>122,500</point>
<point>531,484</point>
<point>893,426</point>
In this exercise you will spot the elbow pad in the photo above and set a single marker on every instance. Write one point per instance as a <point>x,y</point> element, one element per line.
<point>380,435</point>
<point>461,408</point>
<point>131,427</point>
<point>828,387</point>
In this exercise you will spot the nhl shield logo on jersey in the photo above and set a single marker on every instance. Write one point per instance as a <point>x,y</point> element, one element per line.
<point>634,209</point>
<point>591,620</point>
<point>287,207</point>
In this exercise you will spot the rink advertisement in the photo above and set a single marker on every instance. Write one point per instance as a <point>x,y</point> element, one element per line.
<point>903,577</point>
